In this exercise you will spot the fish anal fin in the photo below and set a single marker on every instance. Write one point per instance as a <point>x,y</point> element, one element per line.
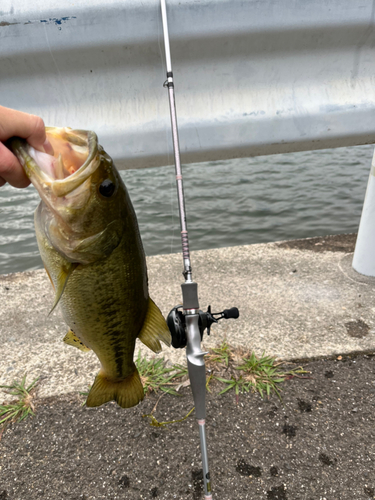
<point>62,279</point>
<point>126,392</point>
<point>72,339</point>
<point>154,328</point>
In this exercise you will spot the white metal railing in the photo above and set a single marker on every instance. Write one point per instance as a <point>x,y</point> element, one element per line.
<point>253,78</point>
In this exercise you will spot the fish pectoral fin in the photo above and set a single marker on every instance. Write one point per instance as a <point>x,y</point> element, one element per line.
<point>154,328</point>
<point>72,339</point>
<point>126,392</point>
<point>62,279</point>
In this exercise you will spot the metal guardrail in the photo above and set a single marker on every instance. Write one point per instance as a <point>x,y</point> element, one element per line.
<point>254,78</point>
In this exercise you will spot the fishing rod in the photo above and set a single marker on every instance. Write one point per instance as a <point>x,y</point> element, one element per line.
<point>187,326</point>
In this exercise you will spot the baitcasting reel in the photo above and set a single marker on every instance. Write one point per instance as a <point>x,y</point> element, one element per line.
<point>177,325</point>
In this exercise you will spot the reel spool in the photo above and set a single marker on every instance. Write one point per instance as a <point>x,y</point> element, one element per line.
<point>177,325</point>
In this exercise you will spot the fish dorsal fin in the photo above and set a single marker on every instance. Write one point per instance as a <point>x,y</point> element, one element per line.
<point>154,329</point>
<point>62,279</point>
<point>72,339</point>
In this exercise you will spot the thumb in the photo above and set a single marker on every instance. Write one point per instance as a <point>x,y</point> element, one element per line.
<point>29,127</point>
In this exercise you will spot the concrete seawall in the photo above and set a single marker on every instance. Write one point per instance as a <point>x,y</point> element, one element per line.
<point>297,299</point>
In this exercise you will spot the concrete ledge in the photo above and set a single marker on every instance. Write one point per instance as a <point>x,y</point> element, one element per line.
<point>297,299</point>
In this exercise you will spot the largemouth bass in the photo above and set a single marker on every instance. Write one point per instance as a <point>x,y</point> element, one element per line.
<point>89,241</point>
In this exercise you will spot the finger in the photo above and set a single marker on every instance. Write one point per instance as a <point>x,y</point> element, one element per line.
<point>11,170</point>
<point>17,123</point>
<point>29,127</point>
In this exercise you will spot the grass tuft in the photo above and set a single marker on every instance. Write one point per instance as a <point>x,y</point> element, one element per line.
<point>243,371</point>
<point>20,408</point>
<point>221,354</point>
<point>156,375</point>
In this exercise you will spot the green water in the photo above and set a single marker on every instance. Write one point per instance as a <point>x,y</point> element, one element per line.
<point>235,202</point>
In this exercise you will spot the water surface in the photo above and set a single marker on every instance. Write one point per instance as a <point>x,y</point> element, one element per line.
<point>234,202</point>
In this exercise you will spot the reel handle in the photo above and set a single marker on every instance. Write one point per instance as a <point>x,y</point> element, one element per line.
<point>233,312</point>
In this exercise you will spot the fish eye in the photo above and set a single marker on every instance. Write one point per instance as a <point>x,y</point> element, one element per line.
<point>107,188</point>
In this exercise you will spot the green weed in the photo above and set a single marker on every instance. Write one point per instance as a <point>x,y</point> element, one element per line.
<point>156,375</point>
<point>262,374</point>
<point>258,374</point>
<point>22,407</point>
<point>238,384</point>
<point>220,354</point>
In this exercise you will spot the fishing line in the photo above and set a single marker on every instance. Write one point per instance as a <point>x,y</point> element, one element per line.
<point>65,93</point>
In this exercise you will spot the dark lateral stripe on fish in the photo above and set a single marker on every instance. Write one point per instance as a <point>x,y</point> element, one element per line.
<point>119,350</point>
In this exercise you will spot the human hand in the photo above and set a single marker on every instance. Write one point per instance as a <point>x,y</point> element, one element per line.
<point>29,127</point>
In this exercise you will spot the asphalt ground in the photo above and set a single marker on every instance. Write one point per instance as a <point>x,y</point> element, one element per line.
<point>317,443</point>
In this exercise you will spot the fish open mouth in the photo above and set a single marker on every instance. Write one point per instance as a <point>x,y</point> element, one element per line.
<point>75,159</point>
<point>70,153</point>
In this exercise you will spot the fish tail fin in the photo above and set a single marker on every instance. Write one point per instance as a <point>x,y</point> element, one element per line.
<point>154,328</point>
<point>127,392</point>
